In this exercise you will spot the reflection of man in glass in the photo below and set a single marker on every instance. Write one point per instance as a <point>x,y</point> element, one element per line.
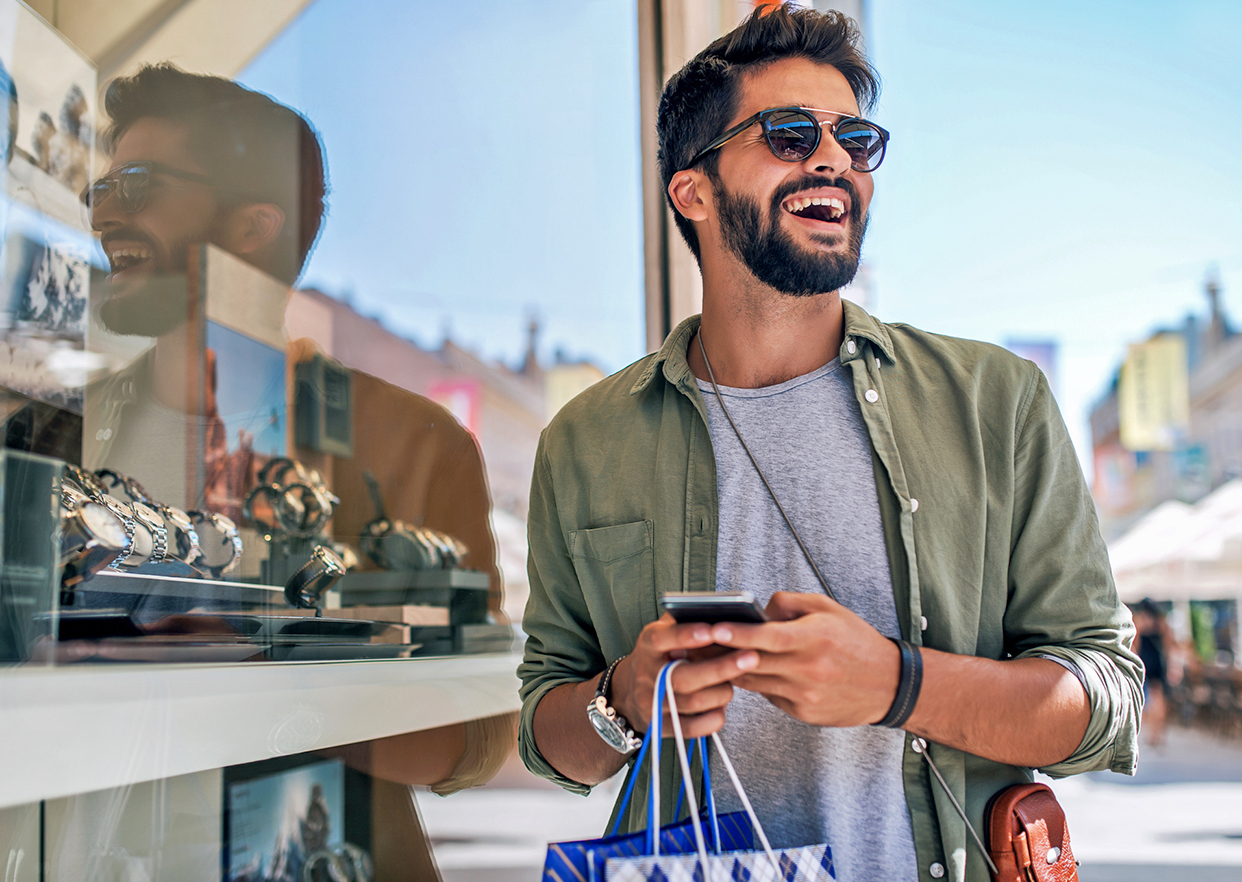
<point>199,159</point>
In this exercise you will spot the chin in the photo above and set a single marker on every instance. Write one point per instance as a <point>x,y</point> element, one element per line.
<point>145,304</point>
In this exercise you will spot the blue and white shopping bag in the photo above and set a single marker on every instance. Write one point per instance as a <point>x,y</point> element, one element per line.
<point>811,863</point>
<point>584,860</point>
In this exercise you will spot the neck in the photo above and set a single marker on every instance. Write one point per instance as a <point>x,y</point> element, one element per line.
<point>757,337</point>
<point>170,377</point>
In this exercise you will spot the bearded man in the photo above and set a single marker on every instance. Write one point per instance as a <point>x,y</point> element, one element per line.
<point>926,512</point>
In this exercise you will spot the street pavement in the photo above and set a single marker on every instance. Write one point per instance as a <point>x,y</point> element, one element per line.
<point>1178,820</point>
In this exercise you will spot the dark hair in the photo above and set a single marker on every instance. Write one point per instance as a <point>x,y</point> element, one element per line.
<point>247,141</point>
<point>700,99</point>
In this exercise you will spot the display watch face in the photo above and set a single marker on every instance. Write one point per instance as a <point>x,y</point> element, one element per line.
<point>103,525</point>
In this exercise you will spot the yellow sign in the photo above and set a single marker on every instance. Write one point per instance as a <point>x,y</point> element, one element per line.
<point>1153,394</point>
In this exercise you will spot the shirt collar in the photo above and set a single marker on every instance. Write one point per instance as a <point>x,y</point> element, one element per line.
<point>672,355</point>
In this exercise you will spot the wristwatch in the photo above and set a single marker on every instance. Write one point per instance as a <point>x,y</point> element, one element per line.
<point>151,519</point>
<point>306,587</point>
<point>220,545</point>
<point>182,538</point>
<point>612,727</point>
<point>91,538</point>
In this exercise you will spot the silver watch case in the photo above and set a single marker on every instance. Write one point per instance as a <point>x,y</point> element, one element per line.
<point>612,728</point>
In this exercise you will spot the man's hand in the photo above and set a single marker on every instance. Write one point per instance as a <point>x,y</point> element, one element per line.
<point>702,685</point>
<point>818,661</point>
<point>824,665</point>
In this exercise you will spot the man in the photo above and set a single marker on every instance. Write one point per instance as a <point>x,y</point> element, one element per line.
<point>931,479</point>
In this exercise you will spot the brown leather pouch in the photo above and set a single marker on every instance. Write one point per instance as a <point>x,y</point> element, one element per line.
<point>1028,838</point>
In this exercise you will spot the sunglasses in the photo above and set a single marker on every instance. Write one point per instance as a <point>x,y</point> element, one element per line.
<point>793,134</point>
<point>131,184</point>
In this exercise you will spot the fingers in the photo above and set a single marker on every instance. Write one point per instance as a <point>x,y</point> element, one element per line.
<point>786,605</point>
<point>666,636</point>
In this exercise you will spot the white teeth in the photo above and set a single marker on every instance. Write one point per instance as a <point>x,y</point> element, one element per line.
<point>835,206</point>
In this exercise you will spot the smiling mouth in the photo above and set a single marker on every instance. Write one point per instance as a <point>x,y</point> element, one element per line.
<point>826,209</point>
<point>128,256</point>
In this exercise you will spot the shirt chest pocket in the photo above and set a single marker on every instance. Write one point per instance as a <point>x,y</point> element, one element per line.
<point>616,570</point>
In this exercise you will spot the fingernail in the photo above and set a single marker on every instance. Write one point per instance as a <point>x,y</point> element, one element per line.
<point>747,661</point>
<point>702,634</point>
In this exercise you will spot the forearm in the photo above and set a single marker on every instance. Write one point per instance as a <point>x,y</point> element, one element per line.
<point>566,738</point>
<point>1026,712</point>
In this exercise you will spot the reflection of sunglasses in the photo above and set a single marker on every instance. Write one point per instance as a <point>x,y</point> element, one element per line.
<point>131,183</point>
<point>793,134</point>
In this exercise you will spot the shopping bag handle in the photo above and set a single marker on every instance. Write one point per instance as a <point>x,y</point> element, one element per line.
<point>654,733</point>
<point>661,692</point>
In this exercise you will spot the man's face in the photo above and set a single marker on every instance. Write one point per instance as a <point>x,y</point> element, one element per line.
<point>761,202</point>
<point>147,247</point>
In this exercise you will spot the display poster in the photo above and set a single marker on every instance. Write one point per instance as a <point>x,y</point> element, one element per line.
<point>203,406</point>
<point>246,406</point>
<point>277,821</point>
<point>49,89</point>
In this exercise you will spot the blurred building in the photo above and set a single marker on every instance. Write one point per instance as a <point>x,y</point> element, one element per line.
<point>504,407</point>
<point>1198,455</point>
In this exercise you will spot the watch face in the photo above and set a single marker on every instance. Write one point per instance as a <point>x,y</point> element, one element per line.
<point>607,728</point>
<point>103,525</point>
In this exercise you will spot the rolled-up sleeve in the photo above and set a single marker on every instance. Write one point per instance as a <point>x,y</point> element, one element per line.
<point>561,646</point>
<point>1063,603</point>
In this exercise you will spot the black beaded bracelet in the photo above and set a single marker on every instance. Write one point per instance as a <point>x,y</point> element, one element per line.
<point>908,686</point>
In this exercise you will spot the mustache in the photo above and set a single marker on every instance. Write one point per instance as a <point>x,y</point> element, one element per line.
<point>811,182</point>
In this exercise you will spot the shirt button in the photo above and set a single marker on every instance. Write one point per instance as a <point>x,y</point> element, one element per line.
<point>914,505</point>
<point>922,623</point>
<point>872,395</point>
<point>850,347</point>
<point>936,869</point>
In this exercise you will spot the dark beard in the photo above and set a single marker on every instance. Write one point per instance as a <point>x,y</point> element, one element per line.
<point>152,307</point>
<point>770,253</point>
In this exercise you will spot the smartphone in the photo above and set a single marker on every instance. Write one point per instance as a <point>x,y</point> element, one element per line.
<point>710,607</point>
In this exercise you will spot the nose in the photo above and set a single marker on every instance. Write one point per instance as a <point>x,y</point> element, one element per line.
<point>104,213</point>
<point>829,157</point>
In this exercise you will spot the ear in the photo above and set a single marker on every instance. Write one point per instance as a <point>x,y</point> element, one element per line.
<point>250,228</point>
<point>689,192</point>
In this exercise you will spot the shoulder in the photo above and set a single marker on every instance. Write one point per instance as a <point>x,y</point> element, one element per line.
<point>614,401</point>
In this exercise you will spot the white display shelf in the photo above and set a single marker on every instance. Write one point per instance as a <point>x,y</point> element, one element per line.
<point>74,730</point>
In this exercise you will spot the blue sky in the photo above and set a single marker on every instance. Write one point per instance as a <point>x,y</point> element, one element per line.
<point>484,161</point>
<point>1058,169</point>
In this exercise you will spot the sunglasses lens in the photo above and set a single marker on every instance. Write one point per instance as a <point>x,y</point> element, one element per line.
<point>791,134</point>
<point>132,184</point>
<point>863,142</point>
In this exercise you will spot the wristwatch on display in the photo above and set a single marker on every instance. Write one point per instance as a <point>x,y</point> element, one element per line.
<point>220,545</point>
<point>114,481</point>
<point>151,519</point>
<point>307,586</point>
<point>611,727</point>
<point>182,538</point>
<point>91,537</point>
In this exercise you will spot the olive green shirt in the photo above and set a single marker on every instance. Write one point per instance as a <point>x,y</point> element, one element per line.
<point>992,539</point>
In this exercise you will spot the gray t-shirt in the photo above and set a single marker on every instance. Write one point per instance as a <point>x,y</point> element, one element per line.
<point>809,784</point>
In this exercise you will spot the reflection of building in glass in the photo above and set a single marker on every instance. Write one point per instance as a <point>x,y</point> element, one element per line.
<point>1198,457</point>
<point>503,407</point>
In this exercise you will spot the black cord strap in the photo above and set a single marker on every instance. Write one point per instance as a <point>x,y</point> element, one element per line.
<point>908,686</point>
